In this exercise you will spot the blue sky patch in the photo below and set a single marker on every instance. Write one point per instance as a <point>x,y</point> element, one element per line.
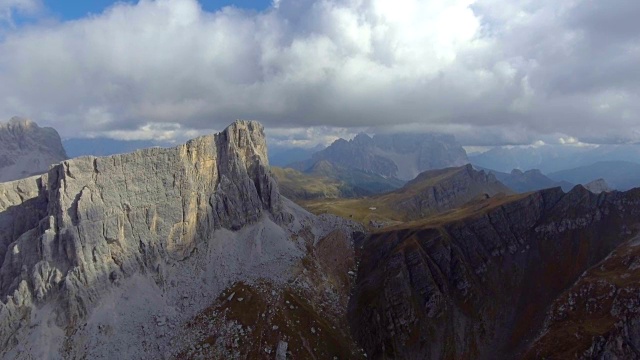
<point>72,10</point>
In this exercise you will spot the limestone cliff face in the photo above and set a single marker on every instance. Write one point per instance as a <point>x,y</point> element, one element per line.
<point>27,149</point>
<point>72,233</point>
<point>477,284</point>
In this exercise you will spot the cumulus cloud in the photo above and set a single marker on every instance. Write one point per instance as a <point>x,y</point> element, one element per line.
<point>489,71</point>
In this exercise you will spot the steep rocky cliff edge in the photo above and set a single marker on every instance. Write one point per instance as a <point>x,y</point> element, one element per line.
<point>27,149</point>
<point>541,275</point>
<point>141,255</point>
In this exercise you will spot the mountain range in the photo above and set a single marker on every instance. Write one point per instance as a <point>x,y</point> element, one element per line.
<point>620,175</point>
<point>530,180</point>
<point>431,192</point>
<point>400,156</point>
<point>553,158</point>
<point>193,251</point>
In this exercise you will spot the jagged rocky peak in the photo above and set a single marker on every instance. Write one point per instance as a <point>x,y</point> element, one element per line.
<point>248,136</point>
<point>363,139</point>
<point>19,123</point>
<point>27,149</point>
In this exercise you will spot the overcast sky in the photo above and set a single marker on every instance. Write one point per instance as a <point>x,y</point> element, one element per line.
<point>488,71</point>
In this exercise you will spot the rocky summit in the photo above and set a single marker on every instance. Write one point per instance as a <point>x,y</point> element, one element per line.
<point>181,252</point>
<point>27,149</point>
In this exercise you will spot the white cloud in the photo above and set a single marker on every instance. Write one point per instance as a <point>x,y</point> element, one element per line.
<point>491,71</point>
<point>8,9</point>
<point>152,131</point>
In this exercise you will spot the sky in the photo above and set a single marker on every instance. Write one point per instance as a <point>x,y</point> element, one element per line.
<point>491,72</point>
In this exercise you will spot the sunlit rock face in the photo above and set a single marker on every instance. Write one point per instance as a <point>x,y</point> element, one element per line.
<point>118,242</point>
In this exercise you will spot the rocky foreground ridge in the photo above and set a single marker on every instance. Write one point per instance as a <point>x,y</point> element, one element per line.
<point>540,275</point>
<point>27,149</point>
<point>132,254</point>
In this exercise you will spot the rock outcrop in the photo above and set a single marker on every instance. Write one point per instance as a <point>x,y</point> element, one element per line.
<point>27,149</point>
<point>401,156</point>
<point>597,186</point>
<point>478,283</point>
<point>98,249</point>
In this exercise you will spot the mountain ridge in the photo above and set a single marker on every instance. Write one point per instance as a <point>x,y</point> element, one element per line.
<point>430,192</point>
<point>621,175</point>
<point>529,180</point>
<point>402,156</point>
<point>487,274</point>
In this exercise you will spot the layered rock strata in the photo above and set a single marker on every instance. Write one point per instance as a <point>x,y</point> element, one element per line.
<point>479,283</point>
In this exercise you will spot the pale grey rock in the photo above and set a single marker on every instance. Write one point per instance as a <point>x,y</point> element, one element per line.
<point>95,232</point>
<point>597,186</point>
<point>27,149</point>
<point>281,352</point>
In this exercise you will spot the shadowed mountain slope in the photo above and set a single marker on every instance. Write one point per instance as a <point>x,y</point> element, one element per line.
<point>479,282</point>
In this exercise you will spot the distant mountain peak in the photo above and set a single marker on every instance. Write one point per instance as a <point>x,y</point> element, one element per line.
<point>27,149</point>
<point>363,139</point>
<point>402,156</point>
